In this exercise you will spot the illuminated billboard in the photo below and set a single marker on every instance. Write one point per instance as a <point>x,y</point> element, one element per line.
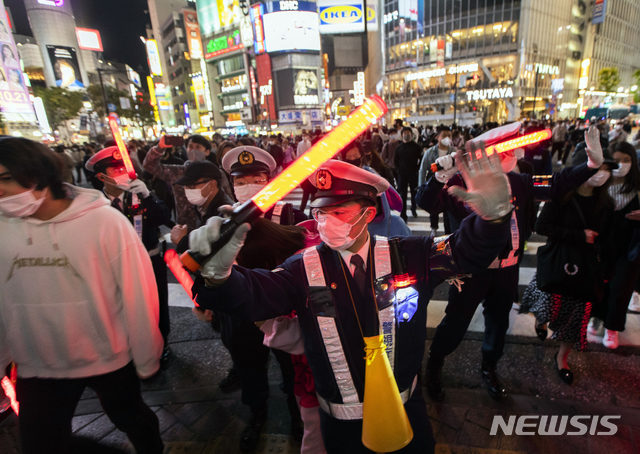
<point>153,57</point>
<point>256,12</point>
<point>133,76</point>
<point>223,45</point>
<point>193,34</point>
<point>345,16</point>
<point>89,39</point>
<point>14,95</point>
<point>213,15</point>
<point>65,66</point>
<point>291,26</point>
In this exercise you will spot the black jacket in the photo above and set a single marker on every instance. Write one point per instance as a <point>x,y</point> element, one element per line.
<point>407,159</point>
<point>154,214</point>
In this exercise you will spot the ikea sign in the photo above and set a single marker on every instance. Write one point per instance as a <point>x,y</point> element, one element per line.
<point>338,17</point>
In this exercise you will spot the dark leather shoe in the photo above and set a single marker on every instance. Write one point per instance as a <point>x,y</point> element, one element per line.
<point>434,378</point>
<point>565,374</point>
<point>251,434</point>
<point>231,382</point>
<point>414,213</point>
<point>491,380</point>
<point>542,333</point>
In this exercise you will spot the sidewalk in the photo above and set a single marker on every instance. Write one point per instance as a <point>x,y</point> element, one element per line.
<point>195,417</point>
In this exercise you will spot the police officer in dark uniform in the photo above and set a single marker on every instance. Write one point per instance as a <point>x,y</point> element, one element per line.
<point>334,287</point>
<point>145,211</point>
<point>496,287</point>
<point>250,169</point>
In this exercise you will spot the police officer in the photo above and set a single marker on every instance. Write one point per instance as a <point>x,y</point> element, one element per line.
<point>145,212</point>
<point>250,169</point>
<point>331,288</point>
<point>496,287</point>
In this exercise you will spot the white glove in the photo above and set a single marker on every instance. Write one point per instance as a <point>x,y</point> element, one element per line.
<point>138,187</point>
<point>449,167</point>
<point>594,149</point>
<point>219,266</point>
<point>488,188</point>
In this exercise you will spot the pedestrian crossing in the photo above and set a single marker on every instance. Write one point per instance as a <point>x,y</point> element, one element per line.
<point>519,324</point>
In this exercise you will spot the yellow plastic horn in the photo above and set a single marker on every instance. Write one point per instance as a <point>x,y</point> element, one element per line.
<point>385,425</point>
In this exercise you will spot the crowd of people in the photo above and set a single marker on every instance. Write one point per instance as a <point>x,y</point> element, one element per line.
<point>85,303</point>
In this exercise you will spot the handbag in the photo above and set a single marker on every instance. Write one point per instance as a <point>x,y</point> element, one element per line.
<point>571,269</point>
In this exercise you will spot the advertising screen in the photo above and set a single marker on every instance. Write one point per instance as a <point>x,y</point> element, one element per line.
<point>14,95</point>
<point>133,75</point>
<point>216,14</point>
<point>65,66</point>
<point>339,16</point>
<point>265,85</point>
<point>291,30</point>
<point>89,39</point>
<point>305,87</point>
<point>193,34</point>
<point>223,44</point>
<point>256,12</point>
<point>153,57</point>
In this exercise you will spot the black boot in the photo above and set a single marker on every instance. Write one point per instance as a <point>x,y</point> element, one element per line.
<point>251,434</point>
<point>491,380</point>
<point>434,377</point>
<point>231,382</point>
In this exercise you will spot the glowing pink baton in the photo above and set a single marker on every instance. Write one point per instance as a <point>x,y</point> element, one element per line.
<point>172,260</point>
<point>122,148</point>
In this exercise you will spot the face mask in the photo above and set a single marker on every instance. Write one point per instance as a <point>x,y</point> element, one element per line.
<point>445,142</point>
<point>247,191</point>
<point>622,170</point>
<point>335,233</point>
<point>599,178</point>
<point>21,205</point>
<point>407,137</point>
<point>519,153</point>
<point>195,155</point>
<point>195,197</point>
<point>122,182</point>
<point>509,162</point>
<point>355,162</point>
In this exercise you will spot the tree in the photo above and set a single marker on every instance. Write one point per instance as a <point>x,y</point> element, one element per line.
<point>636,77</point>
<point>609,79</point>
<point>60,104</point>
<point>113,97</point>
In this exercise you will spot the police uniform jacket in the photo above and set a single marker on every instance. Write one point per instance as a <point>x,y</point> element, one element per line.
<point>154,214</point>
<point>434,198</point>
<point>261,295</point>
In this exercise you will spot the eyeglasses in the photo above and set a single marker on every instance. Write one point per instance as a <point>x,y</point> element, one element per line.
<point>262,182</point>
<point>319,215</point>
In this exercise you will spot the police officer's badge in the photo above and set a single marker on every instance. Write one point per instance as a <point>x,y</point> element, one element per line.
<point>117,156</point>
<point>245,158</point>
<point>323,180</point>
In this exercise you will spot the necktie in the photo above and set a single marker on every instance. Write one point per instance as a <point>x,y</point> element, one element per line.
<point>359,275</point>
<point>117,204</point>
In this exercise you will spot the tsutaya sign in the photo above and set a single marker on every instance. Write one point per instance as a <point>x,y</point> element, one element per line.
<point>543,69</point>
<point>439,72</point>
<point>491,93</point>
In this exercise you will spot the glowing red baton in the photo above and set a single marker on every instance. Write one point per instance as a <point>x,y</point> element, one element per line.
<point>9,388</point>
<point>509,145</point>
<point>115,130</point>
<point>172,260</point>
<point>357,123</point>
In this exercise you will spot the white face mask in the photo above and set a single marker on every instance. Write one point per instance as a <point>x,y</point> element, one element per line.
<point>335,233</point>
<point>21,205</point>
<point>509,162</point>
<point>445,142</point>
<point>195,197</point>
<point>622,170</point>
<point>195,155</point>
<point>122,182</point>
<point>247,191</point>
<point>600,178</point>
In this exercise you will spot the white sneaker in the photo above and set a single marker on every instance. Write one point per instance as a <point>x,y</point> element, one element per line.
<point>594,325</point>
<point>634,304</point>
<point>610,339</point>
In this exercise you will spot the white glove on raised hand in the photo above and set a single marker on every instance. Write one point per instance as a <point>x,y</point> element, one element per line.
<point>594,149</point>
<point>449,167</point>
<point>219,266</point>
<point>138,187</point>
<point>488,188</point>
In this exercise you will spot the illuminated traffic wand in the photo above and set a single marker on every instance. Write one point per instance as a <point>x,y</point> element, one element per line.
<point>357,123</point>
<point>122,148</point>
<point>172,260</point>
<point>509,145</point>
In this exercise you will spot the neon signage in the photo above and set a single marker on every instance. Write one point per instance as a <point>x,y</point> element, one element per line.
<point>256,17</point>
<point>224,44</point>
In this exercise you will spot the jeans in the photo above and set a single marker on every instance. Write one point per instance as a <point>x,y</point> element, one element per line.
<point>47,406</point>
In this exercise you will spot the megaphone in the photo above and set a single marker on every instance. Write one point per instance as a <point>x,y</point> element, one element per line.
<point>385,424</point>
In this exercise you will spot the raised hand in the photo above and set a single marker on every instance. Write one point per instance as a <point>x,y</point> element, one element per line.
<point>487,187</point>
<point>594,149</point>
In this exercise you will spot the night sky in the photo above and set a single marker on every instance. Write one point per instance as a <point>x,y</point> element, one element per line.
<point>120,23</point>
